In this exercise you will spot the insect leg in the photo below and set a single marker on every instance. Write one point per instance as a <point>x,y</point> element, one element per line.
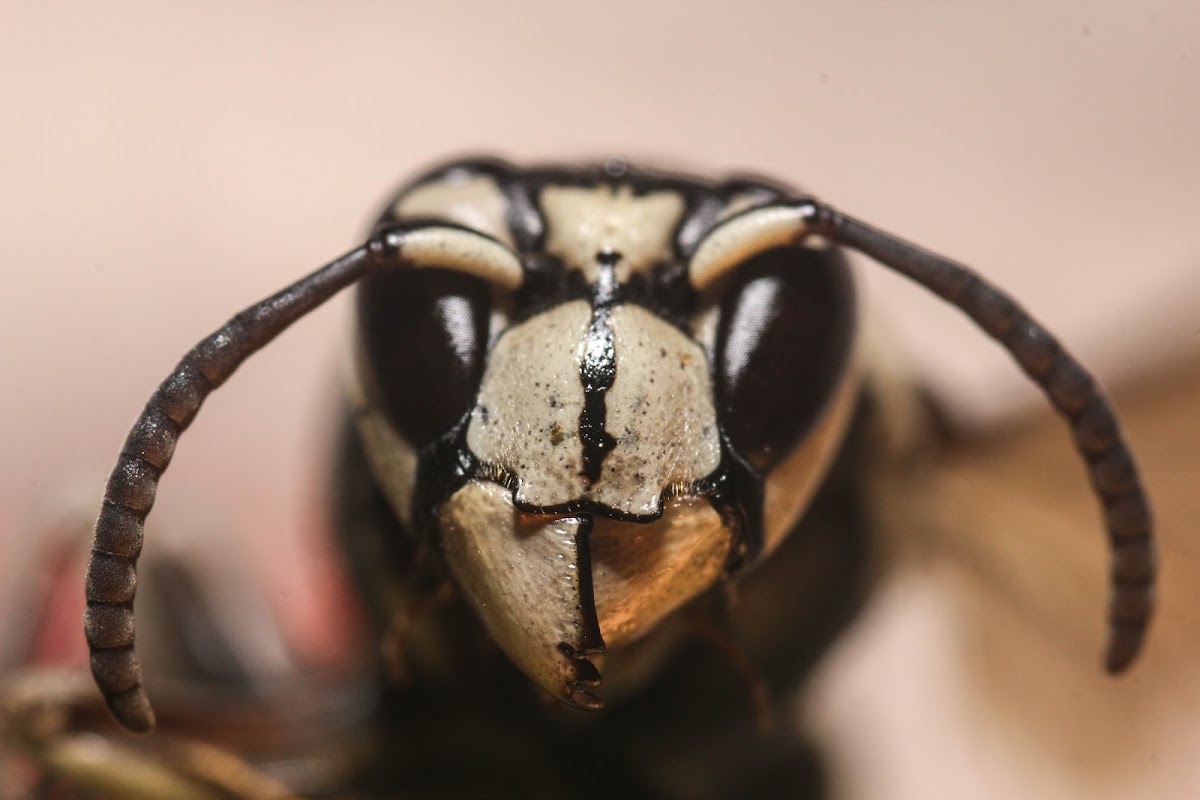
<point>56,720</point>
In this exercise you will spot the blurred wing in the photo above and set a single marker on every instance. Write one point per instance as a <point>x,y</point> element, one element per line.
<point>1009,531</point>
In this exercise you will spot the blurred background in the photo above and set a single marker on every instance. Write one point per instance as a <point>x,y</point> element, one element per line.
<point>164,165</point>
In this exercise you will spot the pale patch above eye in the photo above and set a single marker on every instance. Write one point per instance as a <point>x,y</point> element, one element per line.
<point>473,201</point>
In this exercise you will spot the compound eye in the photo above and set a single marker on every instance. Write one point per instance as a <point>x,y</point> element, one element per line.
<point>783,341</point>
<point>424,337</point>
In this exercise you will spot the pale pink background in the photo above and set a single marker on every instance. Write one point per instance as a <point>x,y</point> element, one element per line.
<point>164,164</point>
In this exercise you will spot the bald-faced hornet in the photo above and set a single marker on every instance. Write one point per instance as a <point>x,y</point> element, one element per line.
<point>594,400</point>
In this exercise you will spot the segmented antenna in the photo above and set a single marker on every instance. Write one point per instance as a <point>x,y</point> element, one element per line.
<point>129,496</point>
<point>1073,393</point>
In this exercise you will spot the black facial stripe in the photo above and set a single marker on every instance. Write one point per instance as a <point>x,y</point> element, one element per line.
<point>665,292</point>
<point>699,218</point>
<point>591,640</point>
<point>523,217</point>
<point>736,491</point>
<point>442,469</point>
<point>547,284</point>
<point>598,370</point>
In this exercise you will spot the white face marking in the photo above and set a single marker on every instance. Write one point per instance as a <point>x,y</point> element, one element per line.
<point>473,201</point>
<point>527,416</point>
<point>643,571</point>
<point>732,242</point>
<point>582,222</point>
<point>659,410</point>
<point>521,574</point>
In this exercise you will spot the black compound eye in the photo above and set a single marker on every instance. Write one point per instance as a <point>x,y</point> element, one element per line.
<point>424,334</point>
<point>784,338</point>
